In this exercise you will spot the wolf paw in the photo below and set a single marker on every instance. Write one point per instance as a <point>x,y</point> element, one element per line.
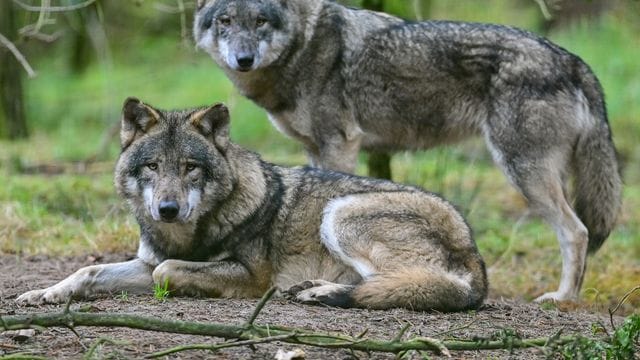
<point>164,272</point>
<point>321,292</point>
<point>43,296</point>
<point>554,296</point>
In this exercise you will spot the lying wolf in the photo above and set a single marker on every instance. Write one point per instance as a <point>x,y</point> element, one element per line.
<point>340,79</point>
<point>216,220</point>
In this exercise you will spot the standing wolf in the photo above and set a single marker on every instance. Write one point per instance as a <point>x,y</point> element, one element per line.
<point>339,79</point>
<point>216,220</point>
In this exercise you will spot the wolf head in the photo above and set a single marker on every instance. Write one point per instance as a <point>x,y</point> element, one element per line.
<point>173,167</point>
<point>243,35</point>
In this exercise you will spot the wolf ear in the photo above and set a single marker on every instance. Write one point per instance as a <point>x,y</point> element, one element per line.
<point>137,119</point>
<point>213,123</point>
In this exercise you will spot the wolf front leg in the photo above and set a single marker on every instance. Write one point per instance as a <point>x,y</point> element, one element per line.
<point>336,143</point>
<point>132,276</point>
<point>212,279</point>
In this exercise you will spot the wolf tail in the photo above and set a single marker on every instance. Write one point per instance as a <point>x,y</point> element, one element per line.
<point>420,288</point>
<point>598,183</point>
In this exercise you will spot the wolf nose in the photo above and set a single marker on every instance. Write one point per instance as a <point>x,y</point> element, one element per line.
<point>245,61</point>
<point>169,210</point>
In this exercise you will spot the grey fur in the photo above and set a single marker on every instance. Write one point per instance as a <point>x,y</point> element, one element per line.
<point>242,225</point>
<point>339,80</point>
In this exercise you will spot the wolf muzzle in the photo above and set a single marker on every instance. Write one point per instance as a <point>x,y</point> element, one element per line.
<point>245,61</point>
<point>169,210</point>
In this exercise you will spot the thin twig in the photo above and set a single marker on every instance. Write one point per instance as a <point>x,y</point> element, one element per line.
<point>622,301</point>
<point>402,332</point>
<point>47,38</point>
<point>18,55</point>
<point>42,16</point>
<point>67,305</point>
<point>553,337</point>
<point>54,8</point>
<point>544,9</point>
<point>362,334</point>
<point>265,298</point>
<point>100,341</point>
<point>461,327</point>
<point>216,347</point>
<point>183,23</point>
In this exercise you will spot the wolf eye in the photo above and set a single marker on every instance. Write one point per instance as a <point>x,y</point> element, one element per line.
<point>152,166</point>
<point>191,167</point>
<point>261,21</point>
<point>224,21</point>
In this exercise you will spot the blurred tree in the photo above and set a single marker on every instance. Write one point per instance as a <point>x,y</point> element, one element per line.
<point>375,5</point>
<point>89,38</point>
<point>13,123</point>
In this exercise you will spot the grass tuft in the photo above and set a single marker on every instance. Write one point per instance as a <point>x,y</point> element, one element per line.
<point>161,291</point>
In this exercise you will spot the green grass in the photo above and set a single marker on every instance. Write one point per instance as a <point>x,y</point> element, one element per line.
<point>78,213</point>
<point>161,291</point>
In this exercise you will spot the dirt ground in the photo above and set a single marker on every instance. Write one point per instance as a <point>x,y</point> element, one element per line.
<point>19,275</point>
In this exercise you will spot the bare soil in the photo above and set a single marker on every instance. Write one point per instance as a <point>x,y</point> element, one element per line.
<point>18,275</point>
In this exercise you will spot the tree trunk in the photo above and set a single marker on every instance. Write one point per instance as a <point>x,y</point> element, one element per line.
<point>375,5</point>
<point>379,164</point>
<point>13,123</point>
<point>89,39</point>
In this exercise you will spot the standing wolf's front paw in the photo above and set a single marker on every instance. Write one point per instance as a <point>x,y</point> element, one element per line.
<point>49,295</point>
<point>555,296</point>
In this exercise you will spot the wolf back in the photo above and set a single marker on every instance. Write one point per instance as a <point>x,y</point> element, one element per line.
<point>339,80</point>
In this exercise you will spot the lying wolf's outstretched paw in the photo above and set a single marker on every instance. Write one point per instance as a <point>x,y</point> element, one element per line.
<point>321,292</point>
<point>43,296</point>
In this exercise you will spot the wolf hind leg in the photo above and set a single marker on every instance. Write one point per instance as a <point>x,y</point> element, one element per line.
<point>412,250</point>
<point>550,203</point>
<point>542,182</point>
<point>322,292</point>
<point>414,288</point>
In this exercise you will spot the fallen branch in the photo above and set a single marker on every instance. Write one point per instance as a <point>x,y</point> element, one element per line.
<point>251,332</point>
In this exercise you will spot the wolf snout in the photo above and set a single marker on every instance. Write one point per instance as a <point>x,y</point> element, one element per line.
<point>245,61</point>
<point>169,210</point>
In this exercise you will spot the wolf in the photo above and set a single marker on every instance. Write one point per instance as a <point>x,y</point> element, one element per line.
<point>216,220</point>
<point>340,79</point>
